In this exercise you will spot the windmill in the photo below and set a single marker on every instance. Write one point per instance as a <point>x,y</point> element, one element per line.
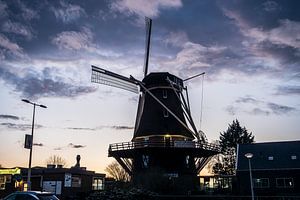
<point>166,142</point>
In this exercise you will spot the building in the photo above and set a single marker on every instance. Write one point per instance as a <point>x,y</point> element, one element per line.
<point>217,184</point>
<point>275,168</point>
<point>66,183</point>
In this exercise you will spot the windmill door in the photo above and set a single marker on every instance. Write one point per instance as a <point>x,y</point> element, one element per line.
<point>167,141</point>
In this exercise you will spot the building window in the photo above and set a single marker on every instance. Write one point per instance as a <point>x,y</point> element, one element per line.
<point>261,183</point>
<point>270,158</point>
<point>2,182</point>
<point>284,183</point>
<point>98,184</point>
<point>76,181</point>
<point>294,157</point>
<point>165,94</point>
<point>166,113</point>
<point>8,178</point>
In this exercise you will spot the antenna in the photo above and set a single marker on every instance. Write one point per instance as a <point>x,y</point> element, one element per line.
<point>148,22</point>
<point>201,112</point>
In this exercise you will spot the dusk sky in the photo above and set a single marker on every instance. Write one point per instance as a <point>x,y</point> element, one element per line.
<point>249,50</point>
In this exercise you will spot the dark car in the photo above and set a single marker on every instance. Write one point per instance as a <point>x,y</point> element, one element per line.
<point>31,196</point>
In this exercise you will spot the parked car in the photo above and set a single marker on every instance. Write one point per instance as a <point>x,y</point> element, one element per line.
<point>32,195</point>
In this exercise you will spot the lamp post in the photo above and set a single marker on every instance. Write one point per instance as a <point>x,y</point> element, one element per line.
<point>249,156</point>
<point>32,128</point>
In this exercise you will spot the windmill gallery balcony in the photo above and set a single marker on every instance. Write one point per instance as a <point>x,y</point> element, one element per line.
<point>127,149</point>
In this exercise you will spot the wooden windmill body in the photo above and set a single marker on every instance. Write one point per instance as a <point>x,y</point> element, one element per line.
<point>166,152</point>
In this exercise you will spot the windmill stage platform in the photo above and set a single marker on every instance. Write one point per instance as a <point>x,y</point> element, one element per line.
<point>196,149</point>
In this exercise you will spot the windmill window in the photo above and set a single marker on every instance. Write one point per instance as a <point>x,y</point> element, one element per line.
<point>145,161</point>
<point>146,141</point>
<point>187,159</point>
<point>165,94</point>
<point>166,113</point>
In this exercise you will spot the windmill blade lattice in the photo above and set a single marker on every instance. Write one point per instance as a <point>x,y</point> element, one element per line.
<point>106,77</point>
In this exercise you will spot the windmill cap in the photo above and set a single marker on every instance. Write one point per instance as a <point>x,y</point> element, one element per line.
<point>161,79</point>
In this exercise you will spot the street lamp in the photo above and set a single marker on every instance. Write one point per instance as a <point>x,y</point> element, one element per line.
<point>32,128</point>
<point>249,156</point>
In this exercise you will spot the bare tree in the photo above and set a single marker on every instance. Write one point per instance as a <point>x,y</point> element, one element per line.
<point>116,171</point>
<point>56,160</point>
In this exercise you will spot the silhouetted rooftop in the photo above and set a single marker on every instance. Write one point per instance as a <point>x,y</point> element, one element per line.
<point>269,155</point>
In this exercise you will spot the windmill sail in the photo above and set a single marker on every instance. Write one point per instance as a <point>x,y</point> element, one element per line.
<point>148,22</point>
<point>106,77</point>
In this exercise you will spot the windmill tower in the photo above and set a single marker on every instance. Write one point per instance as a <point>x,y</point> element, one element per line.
<point>167,152</point>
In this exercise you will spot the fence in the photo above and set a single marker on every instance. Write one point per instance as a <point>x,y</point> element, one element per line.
<point>163,144</point>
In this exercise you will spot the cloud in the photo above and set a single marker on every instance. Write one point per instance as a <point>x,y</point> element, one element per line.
<point>47,83</point>
<point>68,12</point>
<point>75,41</point>
<point>259,111</point>
<point>231,110</point>
<point>27,13</point>
<point>271,6</point>
<point>21,127</point>
<point>144,8</point>
<point>81,129</point>
<point>253,106</point>
<point>193,57</point>
<point>122,127</point>
<point>177,39</point>
<point>288,90</point>
<point>13,117</point>
<point>17,28</point>
<point>76,146</point>
<point>116,127</point>
<point>72,40</point>
<point>38,144</point>
<point>8,48</point>
<point>280,109</point>
<point>247,99</point>
<point>3,7</point>
<point>70,145</point>
<point>286,33</point>
<point>270,50</point>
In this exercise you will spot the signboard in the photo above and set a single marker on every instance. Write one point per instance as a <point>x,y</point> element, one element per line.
<point>58,187</point>
<point>52,187</point>
<point>28,141</point>
<point>184,144</point>
<point>10,171</point>
<point>49,186</point>
<point>68,180</point>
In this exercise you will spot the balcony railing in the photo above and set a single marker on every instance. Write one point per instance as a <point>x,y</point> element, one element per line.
<point>164,144</point>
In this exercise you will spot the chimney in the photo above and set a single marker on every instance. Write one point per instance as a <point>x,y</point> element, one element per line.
<point>78,161</point>
<point>50,166</point>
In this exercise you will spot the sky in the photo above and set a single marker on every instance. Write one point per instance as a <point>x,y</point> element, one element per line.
<point>249,50</point>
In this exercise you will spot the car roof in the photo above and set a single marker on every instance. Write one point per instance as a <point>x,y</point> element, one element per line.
<point>34,192</point>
